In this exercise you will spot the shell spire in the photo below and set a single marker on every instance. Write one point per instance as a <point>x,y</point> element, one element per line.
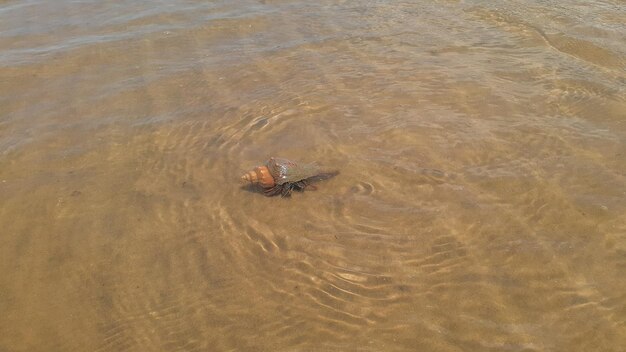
<point>259,175</point>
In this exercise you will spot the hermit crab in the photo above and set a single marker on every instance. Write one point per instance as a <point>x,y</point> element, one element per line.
<point>281,176</point>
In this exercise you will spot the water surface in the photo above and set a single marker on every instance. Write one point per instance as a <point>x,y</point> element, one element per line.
<point>481,204</point>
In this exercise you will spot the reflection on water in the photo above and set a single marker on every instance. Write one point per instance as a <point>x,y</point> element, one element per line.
<point>480,207</point>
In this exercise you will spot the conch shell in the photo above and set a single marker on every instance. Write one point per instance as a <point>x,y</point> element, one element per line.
<point>281,176</point>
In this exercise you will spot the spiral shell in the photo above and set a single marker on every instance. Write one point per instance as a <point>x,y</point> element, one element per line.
<point>259,175</point>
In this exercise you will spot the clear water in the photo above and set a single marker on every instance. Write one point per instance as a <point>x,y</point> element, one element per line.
<point>481,204</point>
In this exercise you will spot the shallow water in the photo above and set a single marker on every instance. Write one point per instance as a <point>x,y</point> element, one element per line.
<point>481,204</point>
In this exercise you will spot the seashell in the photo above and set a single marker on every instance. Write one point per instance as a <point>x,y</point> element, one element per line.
<point>281,176</point>
<point>259,175</point>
